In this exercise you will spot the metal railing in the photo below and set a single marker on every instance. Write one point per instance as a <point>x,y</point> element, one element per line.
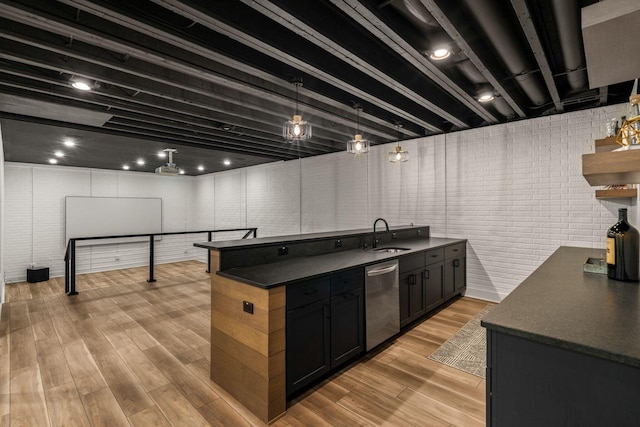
<point>70,254</point>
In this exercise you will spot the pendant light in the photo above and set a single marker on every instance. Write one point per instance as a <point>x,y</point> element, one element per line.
<point>398,155</point>
<point>296,129</point>
<point>358,145</point>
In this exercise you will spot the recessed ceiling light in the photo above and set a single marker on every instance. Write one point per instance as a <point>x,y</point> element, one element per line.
<point>69,142</point>
<point>162,154</point>
<point>226,162</point>
<point>59,154</point>
<point>125,167</point>
<point>81,84</point>
<point>485,97</point>
<point>440,53</point>
<point>200,168</point>
<point>181,171</point>
<point>140,162</point>
<point>53,161</point>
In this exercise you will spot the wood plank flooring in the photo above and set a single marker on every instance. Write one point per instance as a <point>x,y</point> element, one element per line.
<point>129,353</point>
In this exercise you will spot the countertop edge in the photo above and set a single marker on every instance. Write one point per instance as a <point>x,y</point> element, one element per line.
<point>227,245</point>
<point>379,258</point>
<point>566,345</point>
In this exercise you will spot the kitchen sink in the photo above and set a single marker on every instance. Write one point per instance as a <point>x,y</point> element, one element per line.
<point>389,250</point>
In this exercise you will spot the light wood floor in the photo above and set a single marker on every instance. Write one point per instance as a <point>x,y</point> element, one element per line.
<point>132,353</point>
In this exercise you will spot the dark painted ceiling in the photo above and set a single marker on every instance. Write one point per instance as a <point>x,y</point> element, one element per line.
<point>214,78</point>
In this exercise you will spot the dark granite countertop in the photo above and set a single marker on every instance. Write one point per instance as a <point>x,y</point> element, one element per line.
<point>295,238</point>
<point>560,305</point>
<point>280,273</point>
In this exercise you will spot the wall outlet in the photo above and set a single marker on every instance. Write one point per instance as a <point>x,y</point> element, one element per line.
<point>394,236</point>
<point>247,307</point>
<point>338,243</point>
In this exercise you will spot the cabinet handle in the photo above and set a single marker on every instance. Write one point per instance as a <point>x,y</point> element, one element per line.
<point>426,274</point>
<point>411,279</point>
<point>434,256</point>
<point>310,291</point>
<point>456,263</point>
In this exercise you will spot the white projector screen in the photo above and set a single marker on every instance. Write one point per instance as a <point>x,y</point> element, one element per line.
<point>111,216</point>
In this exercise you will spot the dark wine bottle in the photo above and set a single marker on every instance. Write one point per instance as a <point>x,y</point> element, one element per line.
<point>622,250</point>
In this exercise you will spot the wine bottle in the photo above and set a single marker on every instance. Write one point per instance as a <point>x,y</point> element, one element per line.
<point>622,250</point>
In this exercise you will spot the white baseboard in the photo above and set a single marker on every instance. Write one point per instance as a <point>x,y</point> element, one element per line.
<point>484,295</point>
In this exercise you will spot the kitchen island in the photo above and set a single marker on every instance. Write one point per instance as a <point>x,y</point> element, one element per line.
<point>254,281</point>
<point>564,348</point>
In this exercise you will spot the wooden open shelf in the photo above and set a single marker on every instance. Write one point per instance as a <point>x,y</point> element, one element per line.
<point>610,168</point>
<point>606,144</point>
<point>628,193</point>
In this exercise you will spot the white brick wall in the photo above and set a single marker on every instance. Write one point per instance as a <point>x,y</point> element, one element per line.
<point>2,203</point>
<point>514,190</point>
<point>17,241</point>
<point>35,217</point>
<point>273,198</point>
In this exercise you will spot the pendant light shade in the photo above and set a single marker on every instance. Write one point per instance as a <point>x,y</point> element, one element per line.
<point>358,145</point>
<point>296,129</point>
<point>398,155</point>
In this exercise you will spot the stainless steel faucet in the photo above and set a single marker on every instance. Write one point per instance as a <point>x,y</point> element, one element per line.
<point>386,225</point>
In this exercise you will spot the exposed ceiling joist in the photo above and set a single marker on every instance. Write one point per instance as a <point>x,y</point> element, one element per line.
<point>524,16</point>
<point>220,27</point>
<point>380,30</point>
<point>453,32</point>
<point>341,112</point>
<point>299,27</point>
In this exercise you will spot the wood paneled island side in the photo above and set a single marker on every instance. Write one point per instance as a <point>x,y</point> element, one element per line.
<point>248,350</point>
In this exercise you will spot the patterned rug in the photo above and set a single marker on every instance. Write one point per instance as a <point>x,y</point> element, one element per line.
<point>467,349</point>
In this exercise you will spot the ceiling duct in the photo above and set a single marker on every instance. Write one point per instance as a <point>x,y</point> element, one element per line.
<point>170,168</point>
<point>492,19</point>
<point>567,16</point>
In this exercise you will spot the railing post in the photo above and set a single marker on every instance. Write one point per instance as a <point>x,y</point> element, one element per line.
<point>151,279</point>
<point>66,271</point>
<point>209,254</point>
<point>72,275</point>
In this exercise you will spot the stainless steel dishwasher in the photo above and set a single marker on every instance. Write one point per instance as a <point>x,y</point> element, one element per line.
<point>382,303</point>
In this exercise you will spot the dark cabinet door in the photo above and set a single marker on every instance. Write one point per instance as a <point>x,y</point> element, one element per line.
<point>460,273</point>
<point>434,285</point>
<point>412,296</point>
<point>308,346</point>
<point>449,278</point>
<point>347,326</point>
<point>405,297</point>
<point>454,275</point>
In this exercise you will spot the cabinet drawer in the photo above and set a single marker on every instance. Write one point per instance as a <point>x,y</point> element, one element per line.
<point>307,292</point>
<point>346,281</point>
<point>434,255</point>
<point>454,251</point>
<point>411,262</point>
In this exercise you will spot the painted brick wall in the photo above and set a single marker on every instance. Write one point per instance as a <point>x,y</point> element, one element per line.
<point>2,203</point>
<point>35,217</point>
<point>516,191</point>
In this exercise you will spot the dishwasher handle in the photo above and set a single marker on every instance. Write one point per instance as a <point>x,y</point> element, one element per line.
<point>380,271</point>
